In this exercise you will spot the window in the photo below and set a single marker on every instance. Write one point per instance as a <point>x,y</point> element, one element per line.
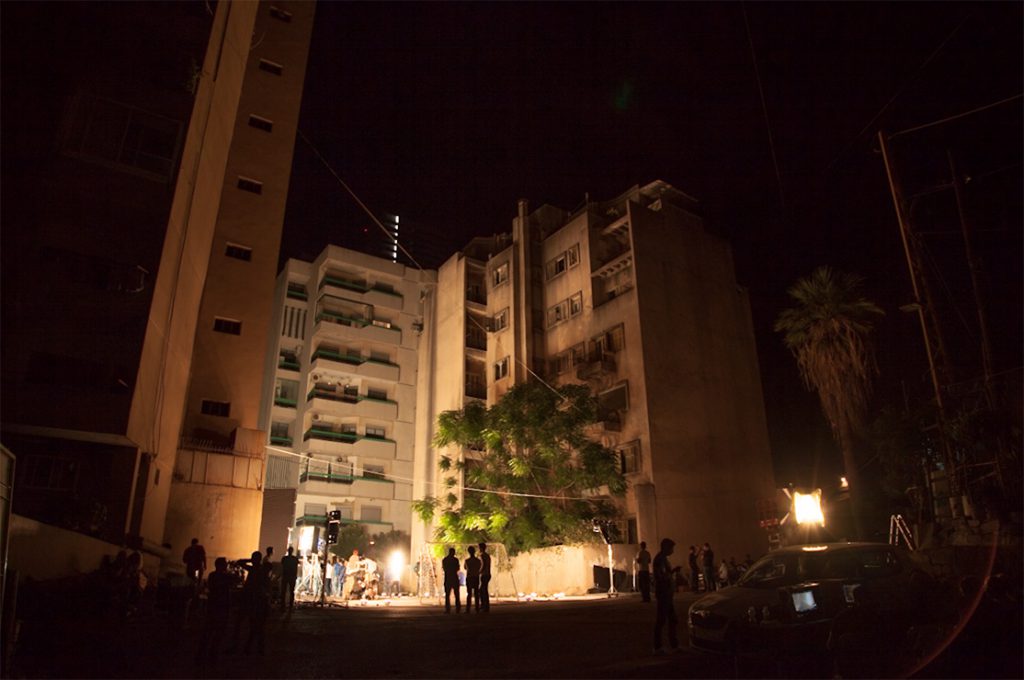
<point>615,399</point>
<point>374,471</point>
<point>271,67</point>
<point>501,320</point>
<point>375,433</point>
<point>499,275</point>
<point>216,408</point>
<point>501,369</point>
<point>578,354</point>
<point>558,313</point>
<point>314,509</point>
<point>556,266</point>
<point>261,123</point>
<point>238,252</point>
<point>279,431</point>
<point>109,133</point>
<point>560,364</point>
<point>297,291</point>
<point>616,339</point>
<point>376,394</point>
<point>629,457</point>
<point>280,14</point>
<point>250,185</point>
<point>50,473</point>
<point>576,304</point>
<point>573,256</point>
<point>227,326</point>
<point>348,428</point>
<point>382,323</point>
<point>371,513</point>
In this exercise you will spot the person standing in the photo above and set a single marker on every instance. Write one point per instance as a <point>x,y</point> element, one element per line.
<point>643,576</point>
<point>194,558</point>
<point>485,578</point>
<point>694,570</point>
<point>450,567</point>
<point>664,590</point>
<point>339,576</point>
<point>708,563</point>
<point>289,574</point>
<point>472,580</point>
<point>218,607</point>
<point>254,605</point>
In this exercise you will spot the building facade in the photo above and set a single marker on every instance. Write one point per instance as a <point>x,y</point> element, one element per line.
<point>339,399</point>
<point>113,158</point>
<point>633,298</point>
<point>217,492</point>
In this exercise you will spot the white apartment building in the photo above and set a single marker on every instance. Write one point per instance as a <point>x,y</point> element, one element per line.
<point>339,401</point>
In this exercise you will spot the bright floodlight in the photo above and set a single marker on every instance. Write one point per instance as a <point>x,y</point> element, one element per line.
<point>844,483</point>
<point>807,507</point>
<point>396,565</point>
<point>305,539</point>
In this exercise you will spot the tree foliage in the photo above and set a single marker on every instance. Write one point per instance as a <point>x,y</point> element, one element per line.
<point>532,476</point>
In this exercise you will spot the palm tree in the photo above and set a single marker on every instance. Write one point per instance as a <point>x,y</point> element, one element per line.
<point>827,331</point>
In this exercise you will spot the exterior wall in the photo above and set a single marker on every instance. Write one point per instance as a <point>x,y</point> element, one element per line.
<point>710,461</point>
<point>340,395</point>
<point>241,289</point>
<point>569,569</point>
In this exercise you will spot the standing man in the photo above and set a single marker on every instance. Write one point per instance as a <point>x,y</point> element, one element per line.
<point>664,589</point>
<point>450,566</point>
<point>694,570</point>
<point>485,579</point>
<point>472,580</point>
<point>643,563</point>
<point>289,573</point>
<point>194,558</point>
<point>708,562</point>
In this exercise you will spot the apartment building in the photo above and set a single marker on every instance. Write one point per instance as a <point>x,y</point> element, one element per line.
<point>339,398</point>
<point>112,168</point>
<point>633,298</point>
<point>217,488</point>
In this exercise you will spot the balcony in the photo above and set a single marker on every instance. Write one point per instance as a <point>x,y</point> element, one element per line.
<point>355,365</point>
<point>285,402</point>
<point>377,294</point>
<point>352,405</point>
<point>288,365</point>
<point>357,329</point>
<point>323,440</point>
<point>330,435</point>
<point>596,369</point>
<point>281,441</point>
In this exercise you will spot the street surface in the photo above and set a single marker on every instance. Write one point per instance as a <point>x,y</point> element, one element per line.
<point>593,638</point>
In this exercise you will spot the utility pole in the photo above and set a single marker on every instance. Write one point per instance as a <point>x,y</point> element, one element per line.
<point>902,219</point>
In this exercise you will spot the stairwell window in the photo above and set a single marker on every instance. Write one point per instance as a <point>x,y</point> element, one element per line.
<point>216,408</point>
<point>280,14</point>
<point>251,185</point>
<point>231,326</point>
<point>501,320</point>
<point>499,275</point>
<point>238,252</point>
<point>271,67</point>
<point>261,123</point>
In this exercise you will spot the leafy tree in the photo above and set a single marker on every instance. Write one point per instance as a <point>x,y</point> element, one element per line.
<point>537,479</point>
<point>827,331</point>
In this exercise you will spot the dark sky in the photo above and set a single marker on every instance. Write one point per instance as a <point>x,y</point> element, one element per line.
<point>448,113</point>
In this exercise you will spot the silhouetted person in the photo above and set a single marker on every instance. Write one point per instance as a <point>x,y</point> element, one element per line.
<point>255,603</point>
<point>707,556</point>
<point>289,574</point>
<point>694,569</point>
<point>485,579</point>
<point>664,589</point>
<point>218,608</point>
<point>194,558</point>
<point>472,580</point>
<point>450,566</point>
<point>643,574</point>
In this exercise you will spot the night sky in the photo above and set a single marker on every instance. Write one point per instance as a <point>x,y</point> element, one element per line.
<point>446,114</point>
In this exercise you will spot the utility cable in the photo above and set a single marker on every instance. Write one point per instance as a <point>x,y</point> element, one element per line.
<point>764,107</point>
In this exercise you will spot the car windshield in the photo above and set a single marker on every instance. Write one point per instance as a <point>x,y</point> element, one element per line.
<point>786,569</point>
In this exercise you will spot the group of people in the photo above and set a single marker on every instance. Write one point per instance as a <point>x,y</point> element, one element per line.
<point>476,577</point>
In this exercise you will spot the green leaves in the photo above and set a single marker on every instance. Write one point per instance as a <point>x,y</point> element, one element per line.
<point>530,454</point>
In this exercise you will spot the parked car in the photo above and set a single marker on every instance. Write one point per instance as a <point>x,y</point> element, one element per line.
<point>813,599</point>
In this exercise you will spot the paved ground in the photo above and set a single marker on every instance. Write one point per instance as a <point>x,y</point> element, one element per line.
<point>597,638</point>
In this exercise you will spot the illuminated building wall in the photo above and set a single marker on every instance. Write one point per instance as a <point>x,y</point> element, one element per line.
<point>633,298</point>
<point>339,391</point>
<point>114,151</point>
<point>217,493</point>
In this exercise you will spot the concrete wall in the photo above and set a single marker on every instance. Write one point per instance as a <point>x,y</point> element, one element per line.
<point>710,458</point>
<point>568,569</point>
<point>225,519</point>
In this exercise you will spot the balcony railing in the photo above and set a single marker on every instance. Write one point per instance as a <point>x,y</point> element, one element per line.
<point>596,368</point>
<point>353,321</point>
<point>284,401</point>
<point>284,441</point>
<point>352,359</point>
<point>329,477</point>
<point>288,365</point>
<point>347,398</point>
<point>356,286</point>
<point>330,435</point>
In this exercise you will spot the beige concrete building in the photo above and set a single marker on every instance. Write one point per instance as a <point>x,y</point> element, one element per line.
<point>339,398</point>
<point>217,490</point>
<point>632,297</point>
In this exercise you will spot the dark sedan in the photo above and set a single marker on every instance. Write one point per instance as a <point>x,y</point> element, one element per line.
<point>804,599</point>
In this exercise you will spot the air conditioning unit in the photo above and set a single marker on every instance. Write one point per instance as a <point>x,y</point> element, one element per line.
<point>316,377</point>
<point>316,416</point>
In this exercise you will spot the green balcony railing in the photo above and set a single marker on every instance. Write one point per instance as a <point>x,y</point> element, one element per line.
<point>284,441</point>
<point>288,365</point>
<point>347,398</point>
<point>330,435</point>
<point>329,477</point>
<point>356,286</point>
<point>298,294</point>
<point>287,403</point>
<point>335,317</point>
